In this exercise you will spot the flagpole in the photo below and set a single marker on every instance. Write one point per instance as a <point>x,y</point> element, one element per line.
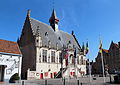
<point>102,60</point>
<point>89,68</point>
<point>89,61</point>
<point>103,67</point>
<point>76,73</point>
<point>68,69</point>
<point>75,63</point>
<point>62,62</point>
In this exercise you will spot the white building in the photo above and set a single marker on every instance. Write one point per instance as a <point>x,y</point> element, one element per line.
<point>44,47</point>
<point>10,60</point>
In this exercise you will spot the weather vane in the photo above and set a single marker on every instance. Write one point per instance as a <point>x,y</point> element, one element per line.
<point>53,3</point>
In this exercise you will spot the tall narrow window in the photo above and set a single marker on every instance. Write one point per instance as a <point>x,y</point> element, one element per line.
<point>53,56</point>
<point>82,60</point>
<point>59,57</point>
<point>44,55</point>
<point>56,59</point>
<point>77,59</point>
<point>49,58</point>
<point>73,60</point>
<point>40,58</point>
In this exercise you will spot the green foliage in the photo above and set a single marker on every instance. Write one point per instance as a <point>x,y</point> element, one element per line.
<point>14,78</point>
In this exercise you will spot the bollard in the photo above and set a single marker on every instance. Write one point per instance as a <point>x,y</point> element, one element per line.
<point>64,82</point>
<point>77,82</point>
<point>22,82</point>
<point>81,84</point>
<point>45,82</point>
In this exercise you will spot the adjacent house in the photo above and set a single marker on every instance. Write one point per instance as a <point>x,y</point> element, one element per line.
<point>111,59</point>
<point>10,60</point>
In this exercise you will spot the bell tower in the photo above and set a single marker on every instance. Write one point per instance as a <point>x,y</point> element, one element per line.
<point>54,21</point>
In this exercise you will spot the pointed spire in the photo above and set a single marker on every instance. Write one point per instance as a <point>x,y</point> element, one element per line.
<point>28,13</point>
<point>53,17</point>
<point>112,41</point>
<point>87,49</point>
<point>18,40</point>
<point>54,21</point>
<point>83,47</point>
<point>54,14</point>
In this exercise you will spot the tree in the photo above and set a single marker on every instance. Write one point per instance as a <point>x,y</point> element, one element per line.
<point>14,78</point>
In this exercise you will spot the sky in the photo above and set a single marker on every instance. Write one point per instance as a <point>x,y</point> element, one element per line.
<point>89,19</point>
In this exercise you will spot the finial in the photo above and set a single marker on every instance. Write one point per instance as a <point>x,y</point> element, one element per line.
<point>83,47</point>
<point>18,40</point>
<point>72,32</point>
<point>112,41</point>
<point>28,13</point>
<point>87,49</point>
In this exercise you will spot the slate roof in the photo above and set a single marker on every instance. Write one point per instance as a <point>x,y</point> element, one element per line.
<point>55,37</point>
<point>9,47</point>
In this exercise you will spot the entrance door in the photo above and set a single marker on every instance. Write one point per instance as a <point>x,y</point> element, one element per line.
<point>66,62</point>
<point>41,76</point>
<point>51,75</point>
<point>55,74</point>
<point>2,72</point>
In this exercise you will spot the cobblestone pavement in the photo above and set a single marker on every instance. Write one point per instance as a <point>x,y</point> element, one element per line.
<point>82,81</point>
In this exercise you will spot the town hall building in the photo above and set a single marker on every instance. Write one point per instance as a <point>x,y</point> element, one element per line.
<point>49,52</point>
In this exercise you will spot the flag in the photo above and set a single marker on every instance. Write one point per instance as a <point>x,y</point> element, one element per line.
<point>100,47</point>
<point>87,49</point>
<point>75,53</point>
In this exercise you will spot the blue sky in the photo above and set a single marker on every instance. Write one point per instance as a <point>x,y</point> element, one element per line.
<point>88,19</point>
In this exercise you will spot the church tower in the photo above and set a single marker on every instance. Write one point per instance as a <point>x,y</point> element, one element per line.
<point>54,21</point>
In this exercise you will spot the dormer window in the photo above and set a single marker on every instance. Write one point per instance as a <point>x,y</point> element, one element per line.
<point>46,34</point>
<point>73,46</point>
<point>69,42</point>
<point>59,38</point>
<point>37,26</point>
